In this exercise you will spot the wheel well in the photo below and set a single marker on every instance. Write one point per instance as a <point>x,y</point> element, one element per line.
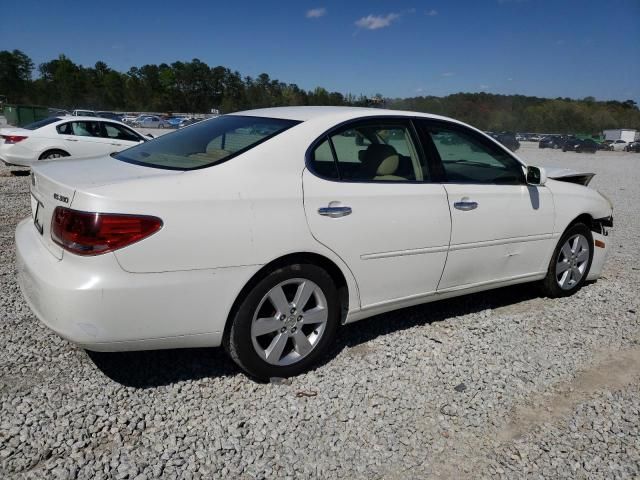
<point>51,150</point>
<point>584,218</point>
<point>305,257</point>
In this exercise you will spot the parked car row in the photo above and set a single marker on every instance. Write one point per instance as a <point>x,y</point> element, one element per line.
<point>508,139</point>
<point>143,120</point>
<point>570,143</point>
<point>160,121</point>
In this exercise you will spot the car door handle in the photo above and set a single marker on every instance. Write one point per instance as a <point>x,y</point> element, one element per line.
<point>71,139</point>
<point>465,205</point>
<point>335,212</point>
<point>117,144</point>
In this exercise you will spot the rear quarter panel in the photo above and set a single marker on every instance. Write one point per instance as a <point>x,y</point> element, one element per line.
<point>246,211</point>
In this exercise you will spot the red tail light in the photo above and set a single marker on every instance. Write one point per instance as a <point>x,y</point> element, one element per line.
<point>88,233</point>
<point>13,138</point>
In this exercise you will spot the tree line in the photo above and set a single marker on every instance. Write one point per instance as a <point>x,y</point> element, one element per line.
<point>196,87</point>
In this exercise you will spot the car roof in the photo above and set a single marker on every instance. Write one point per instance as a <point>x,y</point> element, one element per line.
<point>310,113</point>
<point>343,114</point>
<point>74,118</point>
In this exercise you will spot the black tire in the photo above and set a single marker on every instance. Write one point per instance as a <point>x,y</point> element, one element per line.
<point>550,285</point>
<point>238,341</point>
<point>49,154</point>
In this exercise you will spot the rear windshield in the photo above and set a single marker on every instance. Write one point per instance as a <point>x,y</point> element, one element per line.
<point>205,143</point>
<point>42,123</point>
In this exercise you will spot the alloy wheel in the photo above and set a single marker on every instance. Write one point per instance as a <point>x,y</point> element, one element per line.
<point>289,322</point>
<point>572,261</point>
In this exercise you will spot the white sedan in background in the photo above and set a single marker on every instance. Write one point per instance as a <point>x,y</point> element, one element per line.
<point>618,145</point>
<point>265,230</point>
<point>57,137</point>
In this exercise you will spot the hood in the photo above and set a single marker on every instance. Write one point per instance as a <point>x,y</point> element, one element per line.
<point>568,175</point>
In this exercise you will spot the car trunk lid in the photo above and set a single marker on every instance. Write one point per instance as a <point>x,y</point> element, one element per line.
<point>55,183</point>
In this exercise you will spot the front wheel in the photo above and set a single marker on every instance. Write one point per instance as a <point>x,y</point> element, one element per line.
<point>285,322</point>
<point>570,263</point>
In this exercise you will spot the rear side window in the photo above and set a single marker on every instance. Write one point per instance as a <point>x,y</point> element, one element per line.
<point>377,151</point>
<point>206,143</point>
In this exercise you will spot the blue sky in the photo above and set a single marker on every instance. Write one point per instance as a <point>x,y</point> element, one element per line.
<point>397,48</point>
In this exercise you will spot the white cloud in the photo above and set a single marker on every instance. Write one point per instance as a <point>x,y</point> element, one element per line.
<point>509,79</point>
<point>448,74</point>
<point>316,12</point>
<point>374,22</point>
<point>484,87</point>
<point>431,13</point>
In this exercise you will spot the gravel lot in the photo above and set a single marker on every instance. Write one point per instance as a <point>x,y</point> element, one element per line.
<point>502,384</point>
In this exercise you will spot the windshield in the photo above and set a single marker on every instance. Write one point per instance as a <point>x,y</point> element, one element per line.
<point>205,143</point>
<point>42,123</point>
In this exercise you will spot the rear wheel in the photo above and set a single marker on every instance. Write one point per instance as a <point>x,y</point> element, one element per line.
<point>570,263</point>
<point>50,154</point>
<point>285,322</point>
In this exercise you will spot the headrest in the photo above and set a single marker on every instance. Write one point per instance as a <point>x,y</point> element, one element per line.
<point>382,158</point>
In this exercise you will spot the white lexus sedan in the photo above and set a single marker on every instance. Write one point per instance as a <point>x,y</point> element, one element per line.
<point>265,230</point>
<point>57,137</point>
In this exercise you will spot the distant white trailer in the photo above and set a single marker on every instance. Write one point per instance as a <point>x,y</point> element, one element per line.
<point>626,134</point>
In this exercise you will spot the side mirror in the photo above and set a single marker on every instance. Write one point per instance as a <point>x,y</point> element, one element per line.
<point>536,175</point>
<point>150,136</point>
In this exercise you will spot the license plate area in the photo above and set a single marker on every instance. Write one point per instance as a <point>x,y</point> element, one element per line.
<point>38,211</point>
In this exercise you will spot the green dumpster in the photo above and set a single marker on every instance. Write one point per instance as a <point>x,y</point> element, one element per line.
<point>21,115</point>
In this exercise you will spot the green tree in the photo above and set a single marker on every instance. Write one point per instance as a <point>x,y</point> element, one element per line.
<point>15,75</point>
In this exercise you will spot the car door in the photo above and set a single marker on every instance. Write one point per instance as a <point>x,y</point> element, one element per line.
<point>119,137</point>
<point>82,138</point>
<point>368,197</point>
<point>501,227</point>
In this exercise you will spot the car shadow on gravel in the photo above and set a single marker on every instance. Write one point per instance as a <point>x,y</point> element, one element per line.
<point>154,368</point>
<point>507,300</point>
<point>148,369</point>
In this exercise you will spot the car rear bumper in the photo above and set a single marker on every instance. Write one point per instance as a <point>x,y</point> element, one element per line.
<point>93,302</point>
<point>17,154</point>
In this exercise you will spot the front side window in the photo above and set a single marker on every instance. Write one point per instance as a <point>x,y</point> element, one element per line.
<point>205,143</point>
<point>470,158</point>
<point>80,129</point>
<point>376,151</point>
<point>118,132</point>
